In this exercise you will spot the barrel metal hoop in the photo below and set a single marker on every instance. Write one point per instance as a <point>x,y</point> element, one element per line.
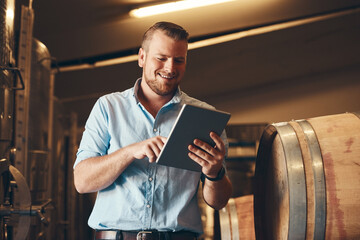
<point>234,220</point>
<point>319,179</point>
<point>296,178</point>
<point>224,216</point>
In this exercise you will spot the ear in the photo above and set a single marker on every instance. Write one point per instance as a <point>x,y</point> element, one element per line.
<point>141,57</point>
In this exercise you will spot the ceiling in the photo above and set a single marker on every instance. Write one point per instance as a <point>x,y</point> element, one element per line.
<point>284,41</point>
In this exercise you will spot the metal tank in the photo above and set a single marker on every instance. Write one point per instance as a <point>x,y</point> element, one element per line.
<point>6,75</point>
<point>39,128</point>
<point>7,96</point>
<point>38,142</point>
<point>38,121</point>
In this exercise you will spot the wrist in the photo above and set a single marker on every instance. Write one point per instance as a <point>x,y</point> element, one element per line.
<point>219,176</point>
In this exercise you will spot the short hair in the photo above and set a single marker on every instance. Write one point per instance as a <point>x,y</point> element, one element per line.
<point>172,30</point>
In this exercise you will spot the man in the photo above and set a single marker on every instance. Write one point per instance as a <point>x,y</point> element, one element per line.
<point>122,139</point>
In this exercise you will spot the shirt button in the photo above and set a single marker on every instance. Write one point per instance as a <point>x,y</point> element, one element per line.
<point>148,206</point>
<point>155,130</point>
<point>150,179</point>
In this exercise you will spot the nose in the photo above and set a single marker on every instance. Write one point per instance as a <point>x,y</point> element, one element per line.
<point>169,66</point>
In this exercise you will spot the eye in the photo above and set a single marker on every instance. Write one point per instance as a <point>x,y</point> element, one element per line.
<point>161,59</point>
<point>179,60</point>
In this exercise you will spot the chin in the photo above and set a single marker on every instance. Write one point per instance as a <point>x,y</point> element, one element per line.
<point>166,91</point>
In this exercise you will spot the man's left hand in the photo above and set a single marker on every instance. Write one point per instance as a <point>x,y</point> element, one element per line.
<point>210,158</point>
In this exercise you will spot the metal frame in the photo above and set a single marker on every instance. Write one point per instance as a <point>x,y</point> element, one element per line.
<point>319,179</point>
<point>296,179</point>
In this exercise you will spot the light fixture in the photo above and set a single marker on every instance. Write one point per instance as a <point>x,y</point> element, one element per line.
<point>172,7</point>
<point>10,14</point>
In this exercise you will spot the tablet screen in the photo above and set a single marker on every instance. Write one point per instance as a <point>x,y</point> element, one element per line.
<point>192,122</point>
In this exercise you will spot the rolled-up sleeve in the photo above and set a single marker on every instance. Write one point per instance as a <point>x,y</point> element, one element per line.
<point>96,137</point>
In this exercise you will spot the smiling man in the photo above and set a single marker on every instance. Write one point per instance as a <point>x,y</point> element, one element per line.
<point>164,60</point>
<point>124,134</point>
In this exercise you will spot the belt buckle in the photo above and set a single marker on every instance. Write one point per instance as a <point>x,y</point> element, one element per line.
<point>139,234</point>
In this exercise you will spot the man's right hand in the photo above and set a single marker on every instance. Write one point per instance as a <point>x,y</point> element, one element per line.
<point>89,174</point>
<point>149,148</point>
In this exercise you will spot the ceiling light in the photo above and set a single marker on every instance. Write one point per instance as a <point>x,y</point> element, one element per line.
<point>173,6</point>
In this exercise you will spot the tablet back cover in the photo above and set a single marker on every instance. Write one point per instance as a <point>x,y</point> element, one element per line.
<point>192,122</point>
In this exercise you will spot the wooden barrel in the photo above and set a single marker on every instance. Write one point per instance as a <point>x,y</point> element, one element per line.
<point>237,219</point>
<point>307,179</point>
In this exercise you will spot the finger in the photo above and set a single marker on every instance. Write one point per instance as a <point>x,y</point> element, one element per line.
<point>150,155</point>
<point>157,144</point>
<point>163,139</point>
<point>198,159</point>
<point>151,151</point>
<point>156,148</point>
<point>218,141</point>
<point>205,147</point>
<point>200,153</point>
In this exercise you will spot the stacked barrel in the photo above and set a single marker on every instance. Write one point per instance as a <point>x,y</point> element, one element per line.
<point>307,180</point>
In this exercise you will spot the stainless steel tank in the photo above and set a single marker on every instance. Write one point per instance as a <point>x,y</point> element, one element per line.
<point>6,75</point>
<point>38,122</point>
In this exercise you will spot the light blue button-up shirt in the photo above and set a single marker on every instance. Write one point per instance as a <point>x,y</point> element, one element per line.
<point>145,195</point>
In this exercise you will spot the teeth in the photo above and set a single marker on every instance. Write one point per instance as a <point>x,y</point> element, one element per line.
<point>164,76</point>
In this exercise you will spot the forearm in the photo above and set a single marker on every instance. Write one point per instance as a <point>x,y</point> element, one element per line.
<point>217,187</point>
<point>217,193</point>
<point>96,173</point>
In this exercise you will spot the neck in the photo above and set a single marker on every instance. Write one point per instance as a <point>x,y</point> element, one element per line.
<point>150,100</point>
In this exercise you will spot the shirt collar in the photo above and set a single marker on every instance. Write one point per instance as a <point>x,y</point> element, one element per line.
<point>136,89</point>
<point>175,99</point>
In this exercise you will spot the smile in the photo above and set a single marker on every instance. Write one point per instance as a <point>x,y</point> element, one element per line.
<point>165,76</point>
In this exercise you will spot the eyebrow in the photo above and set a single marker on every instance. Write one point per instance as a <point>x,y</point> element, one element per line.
<point>164,55</point>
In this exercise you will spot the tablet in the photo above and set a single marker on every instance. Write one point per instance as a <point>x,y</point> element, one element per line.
<point>192,122</point>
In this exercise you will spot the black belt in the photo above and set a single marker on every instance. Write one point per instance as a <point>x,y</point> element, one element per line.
<point>144,235</point>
